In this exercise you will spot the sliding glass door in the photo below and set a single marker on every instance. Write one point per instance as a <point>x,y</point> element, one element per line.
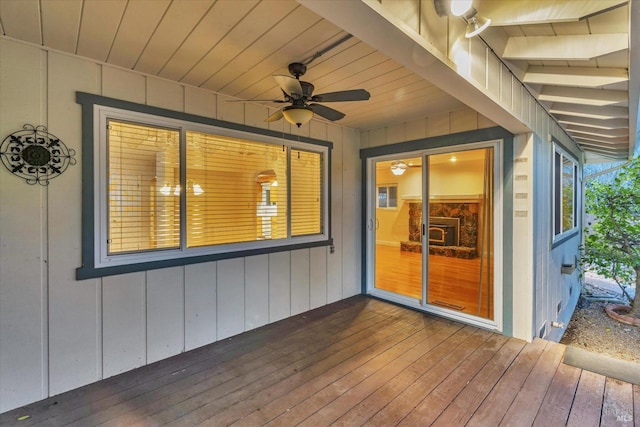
<point>397,225</point>
<point>432,231</point>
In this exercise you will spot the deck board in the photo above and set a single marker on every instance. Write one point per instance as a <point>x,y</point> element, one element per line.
<point>587,403</point>
<point>361,361</point>
<point>556,405</point>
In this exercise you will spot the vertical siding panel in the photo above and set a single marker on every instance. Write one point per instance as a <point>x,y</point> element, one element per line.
<point>230,111</point>
<point>23,286</point>
<point>406,10</point>
<point>334,260</point>
<point>517,103</point>
<point>506,88</point>
<point>299,281</point>
<point>256,279</point>
<point>479,64</point>
<point>120,84</point>
<point>279,286</point>
<point>463,120</point>
<point>483,122</point>
<point>317,130</point>
<point>165,313</point>
<point>255,115</point>
<point>318,277</point>
<point>74,306</point>
<point>123,323</point>
<point>200,289</point>
<point>377,137</point>
<point>395,133</point>
<point>494,79</point>
<point>351,220</point>
<point>200,102</point>
<point>416,129</point>
<point>231,297</point>
<point>165,94</point>
<point>438,125</point>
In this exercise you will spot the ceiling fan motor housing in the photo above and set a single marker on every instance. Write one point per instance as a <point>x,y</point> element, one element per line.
<point>297,69</point>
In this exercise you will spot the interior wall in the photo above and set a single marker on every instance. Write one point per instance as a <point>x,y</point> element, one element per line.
<point>466,179</point>
<point>57,333</point>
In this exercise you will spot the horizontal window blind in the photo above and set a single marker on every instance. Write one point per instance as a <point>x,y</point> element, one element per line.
<point>143,161</point>
<point>241,191</point>
<point>306,193</point>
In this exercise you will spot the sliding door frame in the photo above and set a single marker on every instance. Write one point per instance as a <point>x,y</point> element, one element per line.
<point>501,141</point>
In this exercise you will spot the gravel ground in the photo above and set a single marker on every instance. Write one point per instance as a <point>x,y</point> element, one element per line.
<point>592,329</point>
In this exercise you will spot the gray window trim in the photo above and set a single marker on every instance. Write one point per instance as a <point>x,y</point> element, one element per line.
<point>88,269</point>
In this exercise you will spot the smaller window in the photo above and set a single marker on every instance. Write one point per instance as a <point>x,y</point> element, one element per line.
<point>565,203</point>
<point>388,196</point>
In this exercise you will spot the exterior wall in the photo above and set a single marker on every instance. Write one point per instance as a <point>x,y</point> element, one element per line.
<point>502,97</point>
<point>556,294</point>
<point>57,333</point>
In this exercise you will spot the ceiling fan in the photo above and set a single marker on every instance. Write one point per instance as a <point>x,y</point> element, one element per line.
<point>304,104</point>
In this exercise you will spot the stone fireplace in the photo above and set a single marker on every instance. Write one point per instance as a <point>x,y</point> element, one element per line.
<point>453,229</point>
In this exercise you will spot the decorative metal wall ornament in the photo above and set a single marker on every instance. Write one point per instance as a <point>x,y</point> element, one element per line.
<point>35,155</point>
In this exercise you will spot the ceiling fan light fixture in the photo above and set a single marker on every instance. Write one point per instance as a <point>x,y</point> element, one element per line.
<point>398,167</point>
<point>297,115</point>
<point>476,25</point>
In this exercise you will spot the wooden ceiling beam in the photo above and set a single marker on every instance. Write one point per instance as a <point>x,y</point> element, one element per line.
<point>594,123</point>
<point>610,133</point>
<point>505,13</point>
<point>584,96</point>
<point>575,76</point>
<point>602,141</point>
<point>602,113</point>
<point>564,48</point>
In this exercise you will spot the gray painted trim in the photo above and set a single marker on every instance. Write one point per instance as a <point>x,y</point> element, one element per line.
<point>88,270</point>
<point>438,141</point>
<point>91,99</point>
<point>567,236</point>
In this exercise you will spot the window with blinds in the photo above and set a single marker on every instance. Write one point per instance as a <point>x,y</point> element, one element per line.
<point>243,194</point>
<point>306,193</point>
<point>173,189</point>
<point>142,161</point>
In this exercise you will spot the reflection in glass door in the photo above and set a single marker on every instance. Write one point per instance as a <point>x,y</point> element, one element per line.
<point>439,255</point>
<point>460,232</point>
<point>397,227</point>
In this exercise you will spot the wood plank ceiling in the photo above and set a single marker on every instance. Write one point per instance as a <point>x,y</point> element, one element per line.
<point>574,55</point>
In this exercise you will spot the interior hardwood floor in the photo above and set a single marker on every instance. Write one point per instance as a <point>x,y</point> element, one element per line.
<point>359,361</point>
<point>453,283</point>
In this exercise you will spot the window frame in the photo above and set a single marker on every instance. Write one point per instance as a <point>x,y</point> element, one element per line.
<point>96,262</point>
<point>559,233</point>
<point>387,186</point>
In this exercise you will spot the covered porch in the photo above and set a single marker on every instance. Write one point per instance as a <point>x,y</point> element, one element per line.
<point>357,361</point>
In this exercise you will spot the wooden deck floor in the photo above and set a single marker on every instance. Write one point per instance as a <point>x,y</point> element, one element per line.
<point>358,361</point>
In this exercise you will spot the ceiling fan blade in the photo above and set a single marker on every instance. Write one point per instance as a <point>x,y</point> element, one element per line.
<point>343,95</point>
<point>326,112</point>
<point>279,101</point>
<point>275,116</point>
<point>289,85</point>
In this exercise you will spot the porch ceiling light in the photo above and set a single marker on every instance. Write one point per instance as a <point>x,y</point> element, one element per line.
<point>297,115</point>
<point>460,7</point>
<point>398,167</point>
<point>464,8</point>
<point>476,24</point>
